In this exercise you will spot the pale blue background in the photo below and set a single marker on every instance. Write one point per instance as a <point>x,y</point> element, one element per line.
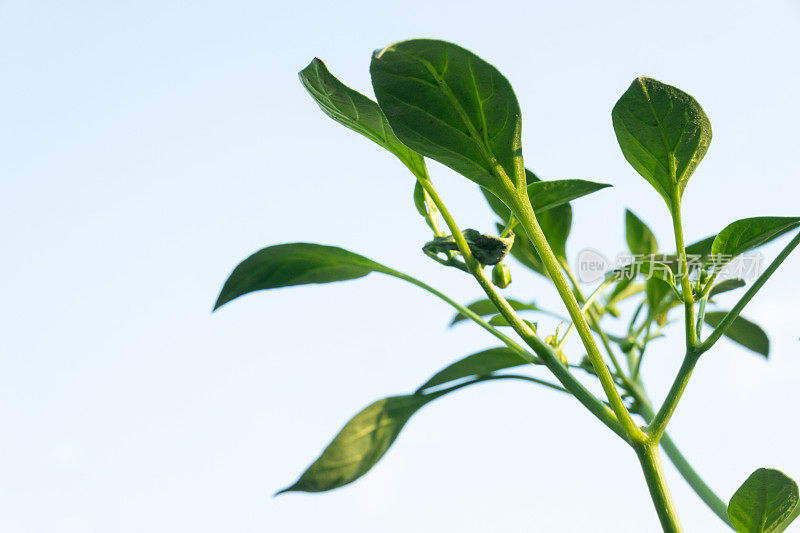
<point>147,147</point>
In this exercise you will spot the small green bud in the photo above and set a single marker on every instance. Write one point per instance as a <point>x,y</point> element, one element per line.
<point>552,340</point>
<point>501,275</point>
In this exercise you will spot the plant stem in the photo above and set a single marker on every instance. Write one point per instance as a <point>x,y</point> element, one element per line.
<point>524,212</point>
<point>706,493</point>
<point>683,271</point>
<point>653,474</point>
<point>659,423</point>
<point>545,352</point>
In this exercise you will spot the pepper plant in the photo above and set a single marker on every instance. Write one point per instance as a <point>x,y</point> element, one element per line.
<point>437,100</point>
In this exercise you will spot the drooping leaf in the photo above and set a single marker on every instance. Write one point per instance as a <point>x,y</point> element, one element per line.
<point>487,249</point>
<point>726,286</point>
<point>545,195</point>
<point>640,239</point>
<point>663,133</point>
<point>357,112</point>
<point>296,263</point>
<point>477,364</point>
<point>448,104</point>
<point>486,307</point>
<point>747,234</point>
<point>763,502</point>
<point>742,331</point>
<point>360,444</point>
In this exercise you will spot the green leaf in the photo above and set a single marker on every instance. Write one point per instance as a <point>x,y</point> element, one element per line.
<point>663,133</point>
<point>742,331</point>
<point>545,195</point>
<point>477,364</point>
<point>763,502</point>
<point>296,263</point>
<point>700,249</point>
<point>657,292</point>
<point>486,307</point>
<point>641,240</point>
<point>556,224</point>
<point>748,233</point>
<point>726,286</point>
<point>357,112</point>
<point>448,104</point>
<point>360,444</point>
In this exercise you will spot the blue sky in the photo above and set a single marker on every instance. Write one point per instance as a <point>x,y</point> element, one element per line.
<point>147,147</point>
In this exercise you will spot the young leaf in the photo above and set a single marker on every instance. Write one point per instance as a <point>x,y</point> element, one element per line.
<point>726,286</point>
<point>641,240</point>
<point>477,364</point>
<point>448,104</point>
<point>545,195</point>
<point>297,263</point>
<point>663,133</point>
<point>763,502</point>
<point>742,331</point>
<point>360,444</point>
<point>748,233</point>
<point>357,112</point>
<point>487,307</point>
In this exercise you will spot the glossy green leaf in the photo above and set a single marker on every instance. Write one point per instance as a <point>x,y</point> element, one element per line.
<point>477,364</point>
<point>726,286</point>
<point>360,444</point>
<point>545,195</point>
<point>763,502</point>
<point>297,263</point>
<point>448,104</point>
<point>663,133</point>
<point>486,307</point>
<point>357,112</point>
<point>640,239</point>
<point>746,234</point>
<point>742,331</point>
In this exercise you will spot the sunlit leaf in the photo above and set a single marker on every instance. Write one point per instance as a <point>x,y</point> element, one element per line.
<point>663,133</point>
<point>477,364</point>
<point>763,502</point>
<point>296,263</point>
<point>357,112</point>
<point>448,104</point>
<point>360,444</point>
<point>749,233</point>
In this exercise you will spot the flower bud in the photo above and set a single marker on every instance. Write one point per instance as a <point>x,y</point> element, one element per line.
<point>501,275</point>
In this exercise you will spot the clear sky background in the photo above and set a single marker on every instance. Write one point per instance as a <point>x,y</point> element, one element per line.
<point>147,147</point>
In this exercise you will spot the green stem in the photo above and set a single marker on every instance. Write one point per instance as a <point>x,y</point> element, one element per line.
<point>545,352</point>
<point>683,271</point>
<point>683,466</point>
<point>659,423</point>
<point>524,212</point>
<point>751,292</point>
<point>654,476</point>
